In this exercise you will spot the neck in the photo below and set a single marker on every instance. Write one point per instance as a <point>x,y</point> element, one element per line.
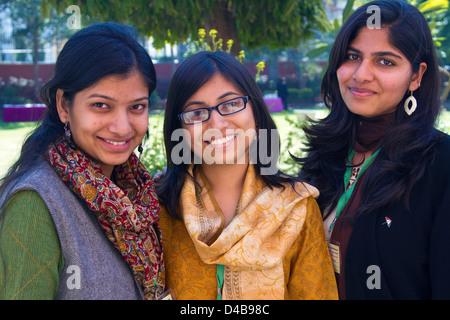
<point>107,171</point>
<point>225,177</point>
<point>370,131</point>
<point>226,183</point>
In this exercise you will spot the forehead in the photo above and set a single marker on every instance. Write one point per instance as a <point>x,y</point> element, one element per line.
<point>134,81</point>
<point>215,88</point>
<point>373,40</point>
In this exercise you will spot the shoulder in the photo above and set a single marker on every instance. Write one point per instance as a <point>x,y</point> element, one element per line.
<point>443,144</point>
<point>52,190</point>
<point>301,190</point>
<point>442,153</point>
<point>40,177</point>
<point>27,203</point>
<point>298,197</point>
<point>168,224</point>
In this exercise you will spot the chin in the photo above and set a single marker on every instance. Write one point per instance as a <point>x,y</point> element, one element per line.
<point>363,112</point>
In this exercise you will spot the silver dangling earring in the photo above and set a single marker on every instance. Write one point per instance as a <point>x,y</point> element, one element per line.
<point>410,110</point>
<point>67,132</point>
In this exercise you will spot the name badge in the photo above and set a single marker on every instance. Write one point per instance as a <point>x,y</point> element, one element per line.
<point>168,295</point>
<point>333,247</point>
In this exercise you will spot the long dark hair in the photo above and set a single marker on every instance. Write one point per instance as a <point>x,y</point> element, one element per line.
<point>408,145</point>
<point>190,76</point>
<point>91,54</point>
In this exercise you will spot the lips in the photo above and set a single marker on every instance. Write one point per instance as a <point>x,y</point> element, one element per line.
<point>116,144</point>
<point>361,92</point>
<point>221,141</point>
<point>217,142</point>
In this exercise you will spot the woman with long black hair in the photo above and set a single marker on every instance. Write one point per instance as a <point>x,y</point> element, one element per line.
<point>234,227</point>
<point>79,211</point>
<point>380,165</point>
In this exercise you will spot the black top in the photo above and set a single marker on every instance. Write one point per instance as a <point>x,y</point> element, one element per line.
<point>408,258</point>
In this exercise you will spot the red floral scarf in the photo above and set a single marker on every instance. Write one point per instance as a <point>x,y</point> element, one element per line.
<point>127,210</point>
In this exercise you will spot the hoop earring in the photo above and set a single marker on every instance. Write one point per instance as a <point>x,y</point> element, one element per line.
<point>67,132</point>
<point>409,111</point>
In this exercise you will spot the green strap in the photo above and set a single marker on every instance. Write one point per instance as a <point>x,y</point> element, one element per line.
<point>221,268</point>
<point>348,173</point>
<point>220,275</point>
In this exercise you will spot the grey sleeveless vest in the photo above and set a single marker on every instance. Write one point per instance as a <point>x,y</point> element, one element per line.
<point>94,269</point>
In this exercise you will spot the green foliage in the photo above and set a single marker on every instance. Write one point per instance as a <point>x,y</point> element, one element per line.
<point>273,22</point>
<point>276,23</point>
<point>11,95</point>
<point>322,46</point>
<point>306,95</point>
<point>292,143</point>
<point>300,96</point>
<point>443,122</point>
<point>154,156</point>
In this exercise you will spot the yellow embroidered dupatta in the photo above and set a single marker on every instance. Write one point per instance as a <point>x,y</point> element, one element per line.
<point>253,245</point>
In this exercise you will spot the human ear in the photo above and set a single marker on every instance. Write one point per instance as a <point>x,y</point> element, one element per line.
<point>62,106</point>
<point>417,77</point>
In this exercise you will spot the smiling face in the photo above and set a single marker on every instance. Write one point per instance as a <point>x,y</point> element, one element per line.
<point>375,76</point>
<point>109,119</point>
<point>220,139</point>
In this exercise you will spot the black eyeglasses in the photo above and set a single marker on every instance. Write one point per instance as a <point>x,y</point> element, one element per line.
<point>224,108</point>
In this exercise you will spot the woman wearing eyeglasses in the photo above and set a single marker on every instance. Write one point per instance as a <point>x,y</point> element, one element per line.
<point>232,228</point>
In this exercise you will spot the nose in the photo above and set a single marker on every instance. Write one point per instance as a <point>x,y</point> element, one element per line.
<point>217,121</point>
<point>363,72</point>
<point>120,124</point>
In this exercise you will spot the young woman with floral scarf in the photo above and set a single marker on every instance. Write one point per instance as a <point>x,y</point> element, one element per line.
<point>233,226</point>
<point>79,211</point>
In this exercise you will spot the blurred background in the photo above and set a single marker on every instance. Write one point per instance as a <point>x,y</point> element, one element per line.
<point>284,43</point>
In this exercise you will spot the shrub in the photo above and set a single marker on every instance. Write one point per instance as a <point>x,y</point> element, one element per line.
<point>154,156</point>
<point>306,95</point>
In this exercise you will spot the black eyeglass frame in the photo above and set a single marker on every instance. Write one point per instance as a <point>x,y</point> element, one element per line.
<point>216,107</point>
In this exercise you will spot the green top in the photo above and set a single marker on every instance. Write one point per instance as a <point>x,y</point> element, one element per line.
<point>30,250</point>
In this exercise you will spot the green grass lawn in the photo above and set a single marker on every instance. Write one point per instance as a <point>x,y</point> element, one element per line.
<point>12,135</point>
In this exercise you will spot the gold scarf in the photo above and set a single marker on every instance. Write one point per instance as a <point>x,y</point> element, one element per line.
<point>253,245</point>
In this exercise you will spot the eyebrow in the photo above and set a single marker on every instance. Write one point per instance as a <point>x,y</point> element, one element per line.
<point>95,95</point>
<point>229,93</point>
<point>379,53</point>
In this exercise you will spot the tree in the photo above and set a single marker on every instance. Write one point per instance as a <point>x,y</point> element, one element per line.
<point>30,27</point>
<point>27,24</point>
<point>253,23</point>
<point>323,45</point>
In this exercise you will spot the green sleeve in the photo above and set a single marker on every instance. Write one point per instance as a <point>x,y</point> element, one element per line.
<point>30,252</point>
